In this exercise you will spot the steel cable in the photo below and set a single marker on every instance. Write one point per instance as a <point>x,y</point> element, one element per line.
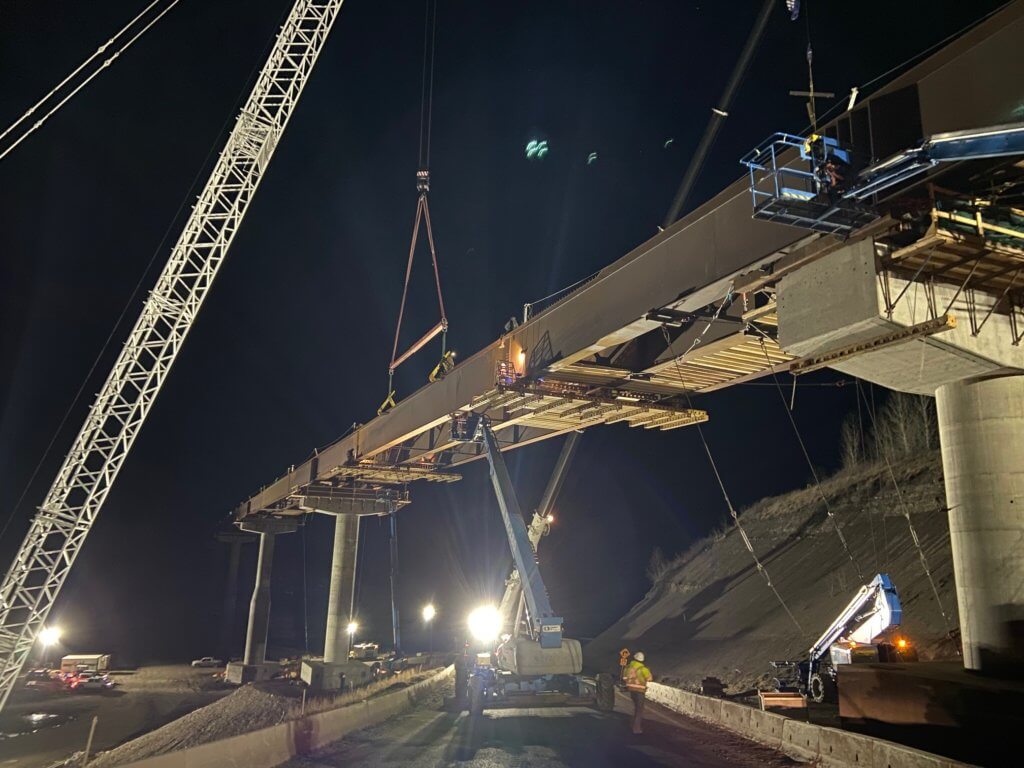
<point>74,91</point>
<point>721,485</point>
<point>925,566</point>
<point>807,456</point>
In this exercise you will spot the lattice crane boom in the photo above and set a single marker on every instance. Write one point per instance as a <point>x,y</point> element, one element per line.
<point>61,524</point>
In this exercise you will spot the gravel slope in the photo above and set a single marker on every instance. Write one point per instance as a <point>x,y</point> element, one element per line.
<point>711,613</point>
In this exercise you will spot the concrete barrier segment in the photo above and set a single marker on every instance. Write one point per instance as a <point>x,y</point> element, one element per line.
<point>269,747</point>
<point>807,742</point>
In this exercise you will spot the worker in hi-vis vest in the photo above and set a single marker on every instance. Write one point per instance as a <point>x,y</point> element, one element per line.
<point>637,676</point>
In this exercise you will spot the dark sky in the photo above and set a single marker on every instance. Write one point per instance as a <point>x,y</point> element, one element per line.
<point>293,343</point>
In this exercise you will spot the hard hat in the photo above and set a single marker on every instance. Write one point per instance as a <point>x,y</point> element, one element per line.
<point>639,656</point>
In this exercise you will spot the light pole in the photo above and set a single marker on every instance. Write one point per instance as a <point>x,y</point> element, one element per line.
<point>49,637</point>
<point>351,630</point>
<point>429,612</point>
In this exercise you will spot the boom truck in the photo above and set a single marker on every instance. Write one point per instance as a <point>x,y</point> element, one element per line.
<point>863,633</point>
<point>526,661</point>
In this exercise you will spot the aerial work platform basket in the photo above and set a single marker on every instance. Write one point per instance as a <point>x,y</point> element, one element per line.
<point>816,183</point>
<point>797,180</point>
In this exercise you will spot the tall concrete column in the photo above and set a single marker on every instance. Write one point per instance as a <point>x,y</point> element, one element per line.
<point>981,428</point>
<point>341,599</point>
<point>259,606</point>
<point>253,666</point>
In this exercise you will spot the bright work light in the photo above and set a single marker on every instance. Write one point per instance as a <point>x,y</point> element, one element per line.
<point>49,635</point>
<point>352,628</point>
<point>429,612</point>
<point>485,624</point>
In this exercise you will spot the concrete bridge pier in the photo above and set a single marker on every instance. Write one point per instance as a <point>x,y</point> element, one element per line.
<point>981,428</point>
<point>254,666</point>
<point>341,599</point>
<point>331,674</point>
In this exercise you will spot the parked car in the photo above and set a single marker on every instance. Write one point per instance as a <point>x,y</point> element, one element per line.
<point>207,661</point>
<point>42,681</point>
<point>87,681</point>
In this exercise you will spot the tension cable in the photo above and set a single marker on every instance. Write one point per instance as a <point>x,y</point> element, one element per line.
<point>925,566</point>
<point>721,484</point>
<point>807,456</point>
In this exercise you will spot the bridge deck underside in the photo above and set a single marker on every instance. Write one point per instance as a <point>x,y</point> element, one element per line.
<point>736,358</point>
<point>520,413</point>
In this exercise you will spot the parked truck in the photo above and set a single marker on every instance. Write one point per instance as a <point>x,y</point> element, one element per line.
<point>85,662</point>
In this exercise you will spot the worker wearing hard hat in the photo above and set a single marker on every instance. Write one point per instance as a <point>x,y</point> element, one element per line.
<point>636,677</point>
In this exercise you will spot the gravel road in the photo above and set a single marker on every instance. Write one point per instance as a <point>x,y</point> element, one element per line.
<point>542,738</point>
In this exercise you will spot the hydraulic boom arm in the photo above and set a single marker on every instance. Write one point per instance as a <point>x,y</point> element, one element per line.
<point>538,528</point>
<point>543,623</point>
<point>874,609</point>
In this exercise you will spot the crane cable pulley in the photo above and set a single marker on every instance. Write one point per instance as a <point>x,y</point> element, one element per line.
<point>422,218</point>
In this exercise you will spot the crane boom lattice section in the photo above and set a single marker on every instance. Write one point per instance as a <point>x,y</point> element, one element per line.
<point>59,528</point>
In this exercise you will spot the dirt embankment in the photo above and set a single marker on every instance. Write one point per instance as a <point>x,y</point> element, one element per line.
<point>711,612</point>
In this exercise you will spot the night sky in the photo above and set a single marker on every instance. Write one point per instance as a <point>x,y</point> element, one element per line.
<point>293,344</point>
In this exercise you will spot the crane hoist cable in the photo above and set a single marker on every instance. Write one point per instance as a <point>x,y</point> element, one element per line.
<point>422,217</point>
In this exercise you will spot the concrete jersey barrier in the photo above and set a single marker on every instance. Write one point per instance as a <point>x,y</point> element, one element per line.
<point>825,746</point>
<point>269,747</point>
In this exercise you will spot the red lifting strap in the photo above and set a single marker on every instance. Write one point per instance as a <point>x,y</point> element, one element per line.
<point>422,214</point>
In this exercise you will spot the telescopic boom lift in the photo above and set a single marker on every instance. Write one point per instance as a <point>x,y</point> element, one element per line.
<point>861,633</point>
<point>538,665</point>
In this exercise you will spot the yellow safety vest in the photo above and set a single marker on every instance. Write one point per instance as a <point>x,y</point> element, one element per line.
<point>637,677</point>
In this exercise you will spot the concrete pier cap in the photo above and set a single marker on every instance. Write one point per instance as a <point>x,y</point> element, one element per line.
<point>981,430</point>
<point>976,372</point>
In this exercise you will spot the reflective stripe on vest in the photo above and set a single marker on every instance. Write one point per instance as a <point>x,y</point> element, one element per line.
<point>633,680</point>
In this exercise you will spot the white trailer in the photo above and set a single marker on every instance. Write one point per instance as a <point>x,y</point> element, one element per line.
<point>85,662</point>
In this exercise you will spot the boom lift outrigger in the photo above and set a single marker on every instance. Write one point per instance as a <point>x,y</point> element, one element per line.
<point>534,664</point>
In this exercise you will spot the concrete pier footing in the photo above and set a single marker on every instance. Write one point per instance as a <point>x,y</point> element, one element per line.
<point>981,428</point>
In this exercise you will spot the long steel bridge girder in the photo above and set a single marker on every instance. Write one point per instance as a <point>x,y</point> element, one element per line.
<point>686,267</point>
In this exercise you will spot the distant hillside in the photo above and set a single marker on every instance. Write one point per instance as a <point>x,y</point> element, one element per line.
<point>711,613</point>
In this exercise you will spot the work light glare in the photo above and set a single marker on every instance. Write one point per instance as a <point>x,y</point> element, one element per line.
<point>485,624</point>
